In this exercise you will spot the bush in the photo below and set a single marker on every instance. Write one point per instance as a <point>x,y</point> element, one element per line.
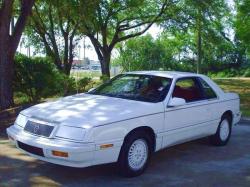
<point>104,78</point>
<point>247,73</point>
<point>67,84</point>
<point>83,83</point>
<point>36,77</point>
<point>243,72</point>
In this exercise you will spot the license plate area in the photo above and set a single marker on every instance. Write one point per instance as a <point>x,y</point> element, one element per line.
<point>38,128</point>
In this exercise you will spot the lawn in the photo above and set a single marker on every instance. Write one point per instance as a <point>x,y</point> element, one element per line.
<point>78,74</point>
<point>240,86</point>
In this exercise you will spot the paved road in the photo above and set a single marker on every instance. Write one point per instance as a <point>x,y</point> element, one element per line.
<point>195,163</point>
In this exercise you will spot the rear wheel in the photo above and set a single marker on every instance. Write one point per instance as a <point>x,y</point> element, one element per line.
<point>135,154</point>
<point>223,133</point>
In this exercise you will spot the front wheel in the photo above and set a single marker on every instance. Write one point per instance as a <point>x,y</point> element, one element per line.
<point>223,133</point>
<point>135,154</point>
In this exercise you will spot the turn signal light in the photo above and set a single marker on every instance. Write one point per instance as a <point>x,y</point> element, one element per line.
<point>60,153</point>
<point>105,146</point>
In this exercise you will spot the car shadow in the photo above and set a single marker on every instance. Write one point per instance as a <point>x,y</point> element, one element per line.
<point>22,172</point>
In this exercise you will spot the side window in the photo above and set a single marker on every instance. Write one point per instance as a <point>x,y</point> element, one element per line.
<point>207,90</point>
<point>188,89</point>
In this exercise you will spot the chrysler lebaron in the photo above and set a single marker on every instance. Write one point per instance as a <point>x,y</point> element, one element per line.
<point>126,120</point>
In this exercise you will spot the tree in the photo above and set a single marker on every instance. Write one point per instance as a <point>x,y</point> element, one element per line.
<point>56,31</point>
<point>119,20</point>
<point>207,19</point>
<point>204,23</point>
<point>242,23</point>
<point>9,43</point>
<point>147,53</point>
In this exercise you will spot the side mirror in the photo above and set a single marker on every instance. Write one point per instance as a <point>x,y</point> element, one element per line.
<point>91,89</point>
<point>176,101</point>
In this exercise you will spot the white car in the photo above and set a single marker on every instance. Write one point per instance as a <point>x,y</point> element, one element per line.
<point>126,120</point>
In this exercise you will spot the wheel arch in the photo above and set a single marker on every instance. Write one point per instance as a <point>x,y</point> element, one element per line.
<point>148,130</point>
<point>229,114</point>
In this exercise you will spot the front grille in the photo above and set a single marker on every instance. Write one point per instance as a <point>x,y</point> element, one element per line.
<point>38,129</point>
<point>31,149</point>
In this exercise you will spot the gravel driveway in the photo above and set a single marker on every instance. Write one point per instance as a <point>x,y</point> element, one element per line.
<point>195,163</point>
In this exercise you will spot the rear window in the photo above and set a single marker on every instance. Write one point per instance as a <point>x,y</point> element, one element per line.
<point>208,91</point>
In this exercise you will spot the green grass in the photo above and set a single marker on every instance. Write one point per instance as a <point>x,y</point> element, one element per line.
<point>240,86</point>
<point>78,74</point>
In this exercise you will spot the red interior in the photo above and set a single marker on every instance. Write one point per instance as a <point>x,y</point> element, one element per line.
<point>189,94</point>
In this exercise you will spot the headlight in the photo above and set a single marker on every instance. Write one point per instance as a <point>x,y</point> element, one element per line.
<point>21,120</point>
<point>73,133</point>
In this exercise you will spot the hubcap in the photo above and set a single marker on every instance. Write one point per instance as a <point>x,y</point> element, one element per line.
<point>224,130</point>
<point>138,154</point>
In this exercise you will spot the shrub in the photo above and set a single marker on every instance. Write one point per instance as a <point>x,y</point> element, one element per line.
<point>83,83</point>
<point>243,72</point>
<point>247,73</point>
<point>67,84</point>
<point>36,77</point>
<point>104,78</point>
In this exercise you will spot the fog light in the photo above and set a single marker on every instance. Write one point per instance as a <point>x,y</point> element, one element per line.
<point>60,153</point>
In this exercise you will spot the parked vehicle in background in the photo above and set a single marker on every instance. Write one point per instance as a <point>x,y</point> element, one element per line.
<point>126,120</point>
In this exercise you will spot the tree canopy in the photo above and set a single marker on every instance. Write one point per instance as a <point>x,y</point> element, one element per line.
<point>242,23</point>
<point>54,29</point>
<point>200,37</point>
<point>115,21</point>
<point>197,35</point>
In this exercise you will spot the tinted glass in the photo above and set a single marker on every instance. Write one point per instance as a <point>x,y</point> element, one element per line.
<point>208,91</point>
<point>136,87</point>
<point>188,89</point>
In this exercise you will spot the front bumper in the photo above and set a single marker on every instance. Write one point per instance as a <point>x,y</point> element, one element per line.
<point>237,117</point>
<point>79,154</point>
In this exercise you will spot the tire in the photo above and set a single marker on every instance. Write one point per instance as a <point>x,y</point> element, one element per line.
<point>223,132</point>
<point>135,154</point>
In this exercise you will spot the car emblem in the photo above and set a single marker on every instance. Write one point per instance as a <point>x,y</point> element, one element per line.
<point>36,128</point>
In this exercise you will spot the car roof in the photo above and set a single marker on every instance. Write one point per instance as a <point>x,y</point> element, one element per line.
<point>168,74</point>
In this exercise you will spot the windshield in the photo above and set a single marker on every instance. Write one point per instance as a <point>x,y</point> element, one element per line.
<point>146,88</point>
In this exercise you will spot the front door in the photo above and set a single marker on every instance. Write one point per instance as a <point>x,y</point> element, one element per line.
<point>189,121</point>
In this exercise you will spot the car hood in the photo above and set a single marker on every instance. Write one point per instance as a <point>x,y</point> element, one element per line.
<point>86,110</point>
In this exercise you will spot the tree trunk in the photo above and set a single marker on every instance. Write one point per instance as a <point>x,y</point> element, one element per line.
<point>105,64</point>
<point>104,55</point>
<point>6,63</point>
<point>8,46</point>
<point>67,68</point>
<point>199,42</point>
<point>6,74</point>
<point>70,55</point>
